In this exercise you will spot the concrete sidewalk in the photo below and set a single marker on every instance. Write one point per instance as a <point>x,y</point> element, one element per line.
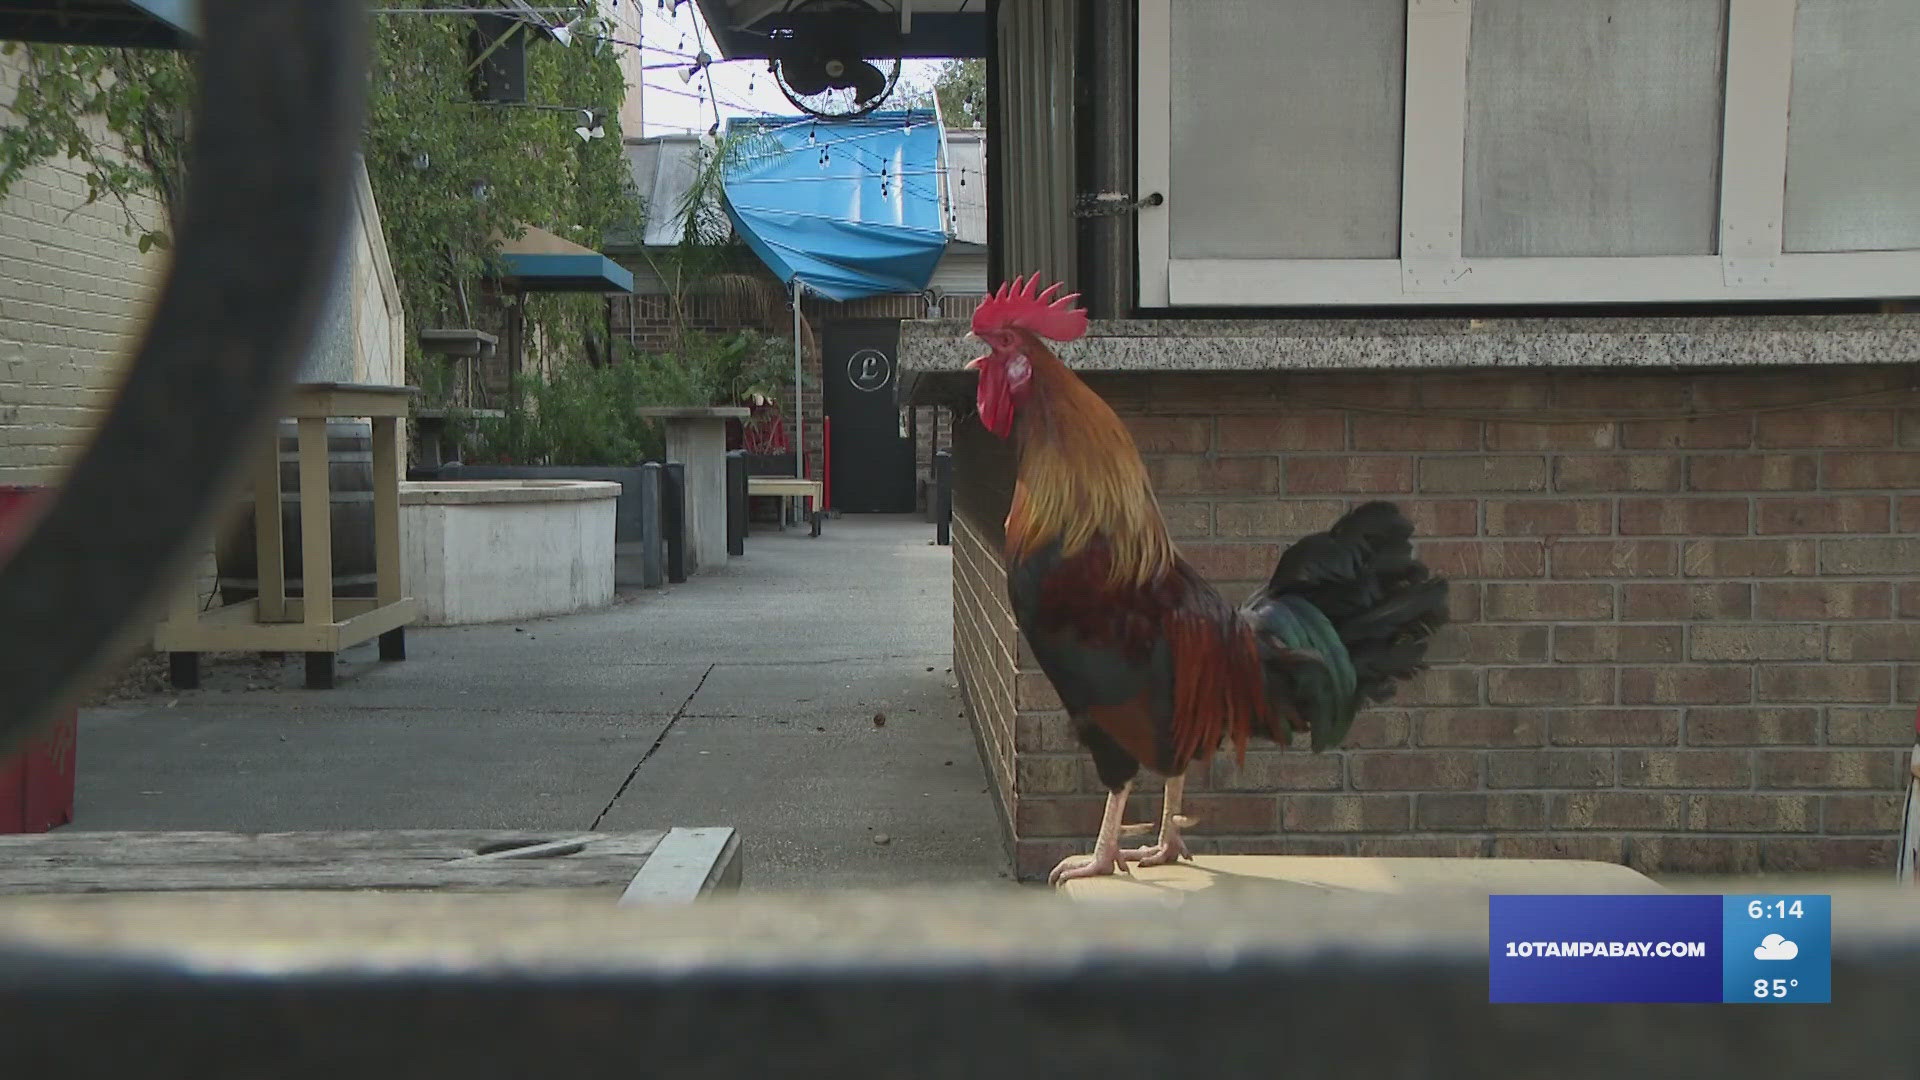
<point>745,697</point>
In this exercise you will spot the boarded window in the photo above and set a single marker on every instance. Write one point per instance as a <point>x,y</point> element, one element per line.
<point>1853,133</point>
<point>1593,127</point>
<point>1286,128</point>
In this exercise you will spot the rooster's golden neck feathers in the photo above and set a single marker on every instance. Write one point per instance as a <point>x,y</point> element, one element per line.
<point>1081,478</point>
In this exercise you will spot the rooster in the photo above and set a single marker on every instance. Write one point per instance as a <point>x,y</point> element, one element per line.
<point>1154,667</point>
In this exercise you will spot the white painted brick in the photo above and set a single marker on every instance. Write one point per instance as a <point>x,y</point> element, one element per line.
<point>74,291</point>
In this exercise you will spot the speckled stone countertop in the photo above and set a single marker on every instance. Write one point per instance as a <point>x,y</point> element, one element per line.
<point>933,351</point>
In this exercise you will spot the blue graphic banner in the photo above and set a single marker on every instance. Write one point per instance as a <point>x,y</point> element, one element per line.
<point>1760,949</point>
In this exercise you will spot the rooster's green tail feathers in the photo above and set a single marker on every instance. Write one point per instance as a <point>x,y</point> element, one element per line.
<point>1347,615</point>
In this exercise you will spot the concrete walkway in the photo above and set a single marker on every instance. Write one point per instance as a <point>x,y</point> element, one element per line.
<point>801,694</point>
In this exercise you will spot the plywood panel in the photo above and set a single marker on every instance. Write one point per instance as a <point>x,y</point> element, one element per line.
<point>1593,127</point>
<point>1853,158</point>
<point>1287,128</point>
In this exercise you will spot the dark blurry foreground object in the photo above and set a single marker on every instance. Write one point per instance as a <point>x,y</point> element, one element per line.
<point>281,83</point>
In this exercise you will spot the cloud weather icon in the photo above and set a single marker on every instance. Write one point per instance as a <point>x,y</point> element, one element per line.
<point>1775,947</point>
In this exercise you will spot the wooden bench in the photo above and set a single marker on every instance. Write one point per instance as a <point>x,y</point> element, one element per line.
<point>669,865</point>
<point>791,487</point>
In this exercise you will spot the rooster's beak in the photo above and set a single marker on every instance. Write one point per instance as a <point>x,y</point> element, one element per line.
<point>974,364</point>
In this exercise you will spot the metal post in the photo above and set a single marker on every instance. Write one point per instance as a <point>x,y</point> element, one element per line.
<point>997,115</point>
<point>943,498</point>
<point>799,411</point>
<point>736,502</point>
<point>673,517</point>
<point>1106,162</point>
<point>652,567</point>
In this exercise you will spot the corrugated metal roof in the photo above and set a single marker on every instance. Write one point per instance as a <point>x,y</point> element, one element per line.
<point>967,184</point>
<point>664,168</point>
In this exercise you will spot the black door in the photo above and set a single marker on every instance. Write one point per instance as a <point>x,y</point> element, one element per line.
<point>872,460</point>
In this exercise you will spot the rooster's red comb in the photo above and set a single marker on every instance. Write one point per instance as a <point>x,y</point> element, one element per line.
<point>1025,305</point>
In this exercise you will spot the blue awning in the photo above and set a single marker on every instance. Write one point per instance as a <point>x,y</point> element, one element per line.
<point>851,208</point>
<point>160,24</point>
<point>542,262</point>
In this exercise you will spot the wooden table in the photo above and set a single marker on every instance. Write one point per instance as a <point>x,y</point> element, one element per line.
<point>672,865</point>
<point>320,624</point>
<point>790,487</point>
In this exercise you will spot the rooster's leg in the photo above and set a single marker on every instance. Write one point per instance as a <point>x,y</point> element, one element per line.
<point>1106,850</point>
<point>1171,847</point>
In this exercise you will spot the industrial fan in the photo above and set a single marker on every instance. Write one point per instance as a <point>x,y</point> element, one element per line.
<point>835,59</point>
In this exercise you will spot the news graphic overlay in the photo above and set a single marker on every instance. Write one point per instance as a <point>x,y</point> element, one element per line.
<point>1779,948</point>
<point>1758,949</point>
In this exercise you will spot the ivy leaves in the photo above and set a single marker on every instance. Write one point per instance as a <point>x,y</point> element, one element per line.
<point>452,176</point>
<point>123,117</point>
<point>140,99</point>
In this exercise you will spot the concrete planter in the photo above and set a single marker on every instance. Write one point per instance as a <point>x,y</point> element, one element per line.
<point>486,550</point>
<point>630,513</point>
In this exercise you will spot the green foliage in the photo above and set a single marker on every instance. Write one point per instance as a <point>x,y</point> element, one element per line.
<point>578,415</point>
<point>709,259</point>
<point>961,88</point>
<point>582,415</point>
<point>727,369</point>
<point>142,97</point>
<point>451,178</point>
<point>488,169</point>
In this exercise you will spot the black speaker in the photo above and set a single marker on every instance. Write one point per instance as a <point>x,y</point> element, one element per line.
<point>502,75</point>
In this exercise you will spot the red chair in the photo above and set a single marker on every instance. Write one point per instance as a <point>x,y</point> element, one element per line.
<point>36,781</point>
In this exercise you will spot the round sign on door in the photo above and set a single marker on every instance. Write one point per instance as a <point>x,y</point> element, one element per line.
<point>869,369</point>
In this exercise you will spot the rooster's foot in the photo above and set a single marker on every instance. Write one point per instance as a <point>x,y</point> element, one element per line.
<point>1170,849</point>
<point>1098,864</point>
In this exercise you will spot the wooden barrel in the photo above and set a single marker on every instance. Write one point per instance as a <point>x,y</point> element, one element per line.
<point>350,476</point>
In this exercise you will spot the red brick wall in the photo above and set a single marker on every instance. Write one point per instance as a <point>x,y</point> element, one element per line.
<point>1683,644</point>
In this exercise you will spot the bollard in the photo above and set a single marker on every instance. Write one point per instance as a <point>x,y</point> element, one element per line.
<point>673,518</point>
<point>943,498</point>
<point>652,565</point>
<point>736,502</point>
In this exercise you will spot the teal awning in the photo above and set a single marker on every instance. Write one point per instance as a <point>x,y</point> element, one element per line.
<point>154,24</point>
<point>565,273</point>
<point>542,262</point>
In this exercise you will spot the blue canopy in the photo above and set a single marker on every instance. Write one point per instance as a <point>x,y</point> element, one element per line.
<point>850,207</point>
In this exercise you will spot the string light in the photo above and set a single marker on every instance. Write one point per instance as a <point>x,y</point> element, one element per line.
<point>702,39</point>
